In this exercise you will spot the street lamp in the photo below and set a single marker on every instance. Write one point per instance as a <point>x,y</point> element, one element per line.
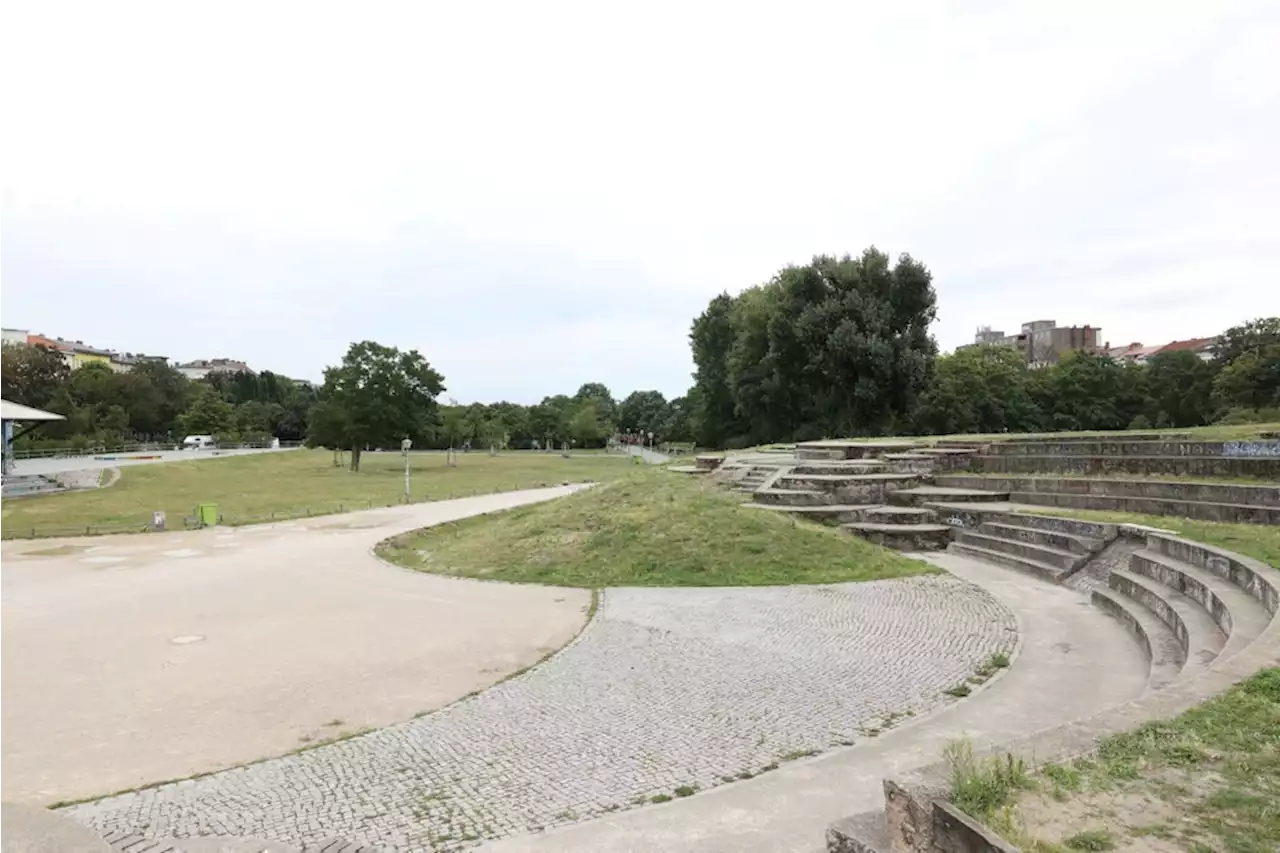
<point>404,451</point>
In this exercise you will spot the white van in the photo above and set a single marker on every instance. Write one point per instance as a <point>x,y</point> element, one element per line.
<point>198,442</point>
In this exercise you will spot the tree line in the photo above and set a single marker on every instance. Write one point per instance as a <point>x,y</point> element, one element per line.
<point>376,397</point>
<point>841,347</point>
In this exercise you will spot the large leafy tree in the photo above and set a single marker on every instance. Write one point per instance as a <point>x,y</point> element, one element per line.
<point>980,389</point>
<point>644,411</point>
<point>377,396</point>
<point>207,413</point>
<point>1253,336</point>
<point>31,374</point>
<point>711,337</point>
<point>1180,387</point>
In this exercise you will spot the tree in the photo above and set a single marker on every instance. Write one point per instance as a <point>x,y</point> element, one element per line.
<point>644,411</point>
<point>1086,391</point>
<point>606,407</point>
<point>1180,387</point>
<point>1252,379</point>
<point>840,346</point>
<point>207,413</point>
<point>978,389</point>
<point>31,375</point>
<point>710,338</point>
<point>166,399</point>
<point>378,396</point>
<point>585,427</point>
<point>1253,336</point>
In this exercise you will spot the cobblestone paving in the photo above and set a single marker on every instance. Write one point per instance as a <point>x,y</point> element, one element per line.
<point>666,688</point>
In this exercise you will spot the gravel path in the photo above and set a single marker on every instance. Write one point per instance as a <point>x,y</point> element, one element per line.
<point>666,688</point>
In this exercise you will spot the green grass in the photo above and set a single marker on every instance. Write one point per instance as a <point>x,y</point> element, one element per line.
<point>1213,432</point>
<point>1260,541</point>
<point>648,528</point>
<point>291,484</point>
<point>1215,769</point>
<point>981,786</point>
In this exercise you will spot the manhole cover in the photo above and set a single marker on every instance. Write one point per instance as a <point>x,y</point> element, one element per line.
<point>187,638</point>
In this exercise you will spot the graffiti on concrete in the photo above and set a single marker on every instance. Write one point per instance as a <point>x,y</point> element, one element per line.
<point>1251,448</point>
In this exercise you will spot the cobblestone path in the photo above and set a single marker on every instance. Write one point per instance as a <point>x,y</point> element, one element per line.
<point>666,689</point>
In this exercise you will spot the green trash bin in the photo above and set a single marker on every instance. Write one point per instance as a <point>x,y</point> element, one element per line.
<point>207,514</point>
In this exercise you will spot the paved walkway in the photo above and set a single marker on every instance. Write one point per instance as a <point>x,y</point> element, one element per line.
<point>133,659</point>
<point>667,688</point>
<point>1074,661</point>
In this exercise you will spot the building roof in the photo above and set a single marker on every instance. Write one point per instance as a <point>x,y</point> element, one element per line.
<point>18,412</point>
<point>1191,345</point>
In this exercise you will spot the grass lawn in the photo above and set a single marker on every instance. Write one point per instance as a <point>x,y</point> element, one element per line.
<point>648,528</point>
<point>1260,541</point>
<point>289,484</point>
<point>1205,781</point>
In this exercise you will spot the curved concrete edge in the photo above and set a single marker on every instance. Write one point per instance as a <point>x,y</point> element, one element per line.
<point>32,829</point>
<point>909,798</point>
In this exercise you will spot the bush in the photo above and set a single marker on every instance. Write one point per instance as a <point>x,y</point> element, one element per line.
<point>1140,422</point>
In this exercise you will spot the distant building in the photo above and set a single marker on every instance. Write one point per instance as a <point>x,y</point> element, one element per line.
<point>200,368</point>
<point>123,362</point>
<point>1134,352</point>
<point>1042,341</point>
<point>1138,354</point>
<point>14,336</point>
<point>1202,347</point>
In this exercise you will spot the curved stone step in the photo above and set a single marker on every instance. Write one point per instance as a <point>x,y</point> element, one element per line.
<point>1253,576</point>
<point>1235,611</point>
<point>791,497</point>
<point>1065,561</point>
<point>904,537</point>
<point>1055,539</point>
<point>1098,534</point>
<point>1043,571</point>
<point>1200,637</point>
<point>920,495</point>
<point>1163,649</point>
<point>860,833</point>
<point>826,512</point>
<point>885,514</point>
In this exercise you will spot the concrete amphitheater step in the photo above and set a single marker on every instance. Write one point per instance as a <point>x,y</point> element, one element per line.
<point>1043,571</point>
<point>1164,653</point>
<point>842,466</point>
<point>1007,528</point>
<point>1095,533</point>
<point>1241,616</point>
<point>860,833</point>
<point>825,512</point>
<point>1065,561</point>
<point>920,495</point>
<point>886,514</point>
<point>1200,637</point>
<point>904,537</point>
<point>791,497</point>
<point>1203,510</point>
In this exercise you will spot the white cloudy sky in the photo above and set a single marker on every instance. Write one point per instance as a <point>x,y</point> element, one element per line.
<point>536,195</point>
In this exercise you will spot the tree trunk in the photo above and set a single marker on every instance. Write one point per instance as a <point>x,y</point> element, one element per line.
<point>355,457</point>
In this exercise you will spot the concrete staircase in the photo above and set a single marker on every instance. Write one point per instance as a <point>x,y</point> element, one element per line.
<point>1203,617</point>
<point>1049,548</point>
<point>1240,503</point>
<point>855,485</point>
<point>26,485</point>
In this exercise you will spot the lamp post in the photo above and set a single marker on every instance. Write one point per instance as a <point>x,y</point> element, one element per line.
<point>404,451</point>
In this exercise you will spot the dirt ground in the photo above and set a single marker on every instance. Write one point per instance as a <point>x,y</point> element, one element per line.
<point>136,659</point>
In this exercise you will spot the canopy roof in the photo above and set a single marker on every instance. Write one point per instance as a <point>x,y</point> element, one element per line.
<point>17,412</point>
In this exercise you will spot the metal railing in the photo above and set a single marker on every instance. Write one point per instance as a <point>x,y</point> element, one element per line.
<point>151,446</point>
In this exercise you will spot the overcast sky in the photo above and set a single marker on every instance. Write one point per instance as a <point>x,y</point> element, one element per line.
<point>537,195</point>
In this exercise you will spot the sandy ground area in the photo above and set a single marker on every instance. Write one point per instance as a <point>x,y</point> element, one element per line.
<point>134,659</point>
